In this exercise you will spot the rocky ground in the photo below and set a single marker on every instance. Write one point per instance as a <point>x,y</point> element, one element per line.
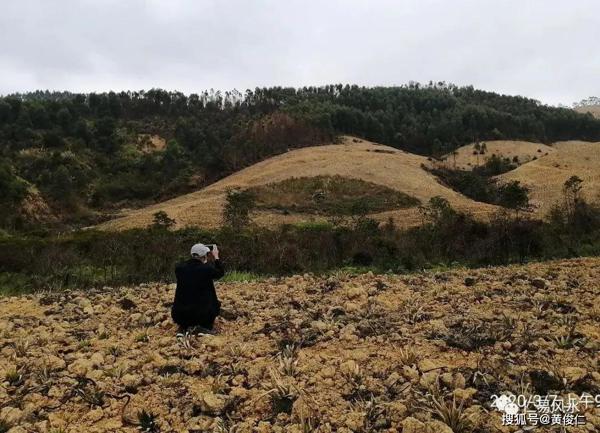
<point>414,353</point>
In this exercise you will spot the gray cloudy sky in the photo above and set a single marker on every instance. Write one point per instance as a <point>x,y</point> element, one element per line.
<point>545,49</point>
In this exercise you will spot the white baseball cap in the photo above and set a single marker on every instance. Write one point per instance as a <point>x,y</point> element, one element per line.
<point>200,250</point>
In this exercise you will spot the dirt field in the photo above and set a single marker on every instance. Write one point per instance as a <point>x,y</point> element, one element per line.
<point>352,158</point>
<point>467,157</point>
<point>299,354</point>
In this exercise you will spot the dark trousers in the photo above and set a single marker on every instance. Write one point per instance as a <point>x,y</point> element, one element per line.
<point>189,316</point>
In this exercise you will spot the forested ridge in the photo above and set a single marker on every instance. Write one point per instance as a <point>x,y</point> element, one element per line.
<point>82,155</point>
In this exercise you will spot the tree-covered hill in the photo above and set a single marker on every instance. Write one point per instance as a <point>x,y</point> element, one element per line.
<point>81,155</point>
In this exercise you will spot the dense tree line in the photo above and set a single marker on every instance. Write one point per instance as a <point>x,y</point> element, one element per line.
<point>82,152</point>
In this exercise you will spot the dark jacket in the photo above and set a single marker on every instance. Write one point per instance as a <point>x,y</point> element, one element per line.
<point>195,289</point>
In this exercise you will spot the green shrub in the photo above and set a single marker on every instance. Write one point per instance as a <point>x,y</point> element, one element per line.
<point>330,195</point>
<point>161,220</point>
<point>495,165</point>
<point>240,276</point>
<point>513,195</point>
<point>238,206</point>
<point>313,225</point>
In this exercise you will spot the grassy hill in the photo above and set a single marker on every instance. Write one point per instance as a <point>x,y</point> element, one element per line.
<point>85,156</point>
<point>546,176</point>
<point>352,158</point>
<point>474,155</point>
<point>543,169</point>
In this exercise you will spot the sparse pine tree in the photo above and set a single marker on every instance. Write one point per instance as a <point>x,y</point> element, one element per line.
<point>238,206</point>
<point>572,192</point>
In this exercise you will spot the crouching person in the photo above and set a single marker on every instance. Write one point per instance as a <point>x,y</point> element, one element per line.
<point>196,305</point>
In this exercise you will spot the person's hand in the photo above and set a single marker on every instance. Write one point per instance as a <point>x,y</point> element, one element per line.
<point>215,252</point>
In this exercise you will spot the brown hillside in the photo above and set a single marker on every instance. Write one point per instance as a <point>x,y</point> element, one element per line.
<point>593,109</point>
<point>351,158</point>
<point>467,157</point>
<point>546,176</point>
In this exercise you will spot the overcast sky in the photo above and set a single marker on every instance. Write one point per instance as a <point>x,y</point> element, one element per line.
<point>545,49</point>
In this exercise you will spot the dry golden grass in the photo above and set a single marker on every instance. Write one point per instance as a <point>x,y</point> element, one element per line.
<point>545,177</point>
<point>34,208</point>
<point>525,151</point>
<point>594,109</point>
<point>392,168</point>
<point>151,143</point>
<point>352,158</point>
